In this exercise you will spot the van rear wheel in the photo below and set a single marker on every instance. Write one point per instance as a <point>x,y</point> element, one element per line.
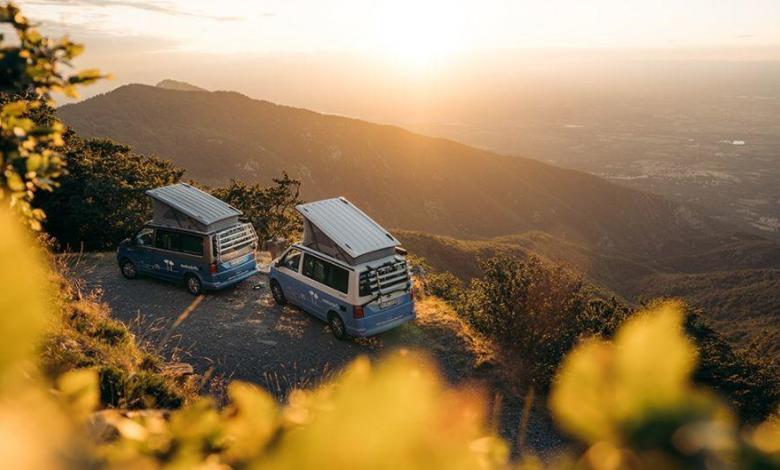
<point>277,293</point>
<point>128,269</point>
<point>193,285</point>
<point>337,327</point>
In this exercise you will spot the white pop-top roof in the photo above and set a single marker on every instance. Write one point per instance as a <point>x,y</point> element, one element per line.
<point>195,203</point>
<point>347,226</point>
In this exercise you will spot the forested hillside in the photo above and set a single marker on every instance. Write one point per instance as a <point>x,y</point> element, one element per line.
<point>740,301</point>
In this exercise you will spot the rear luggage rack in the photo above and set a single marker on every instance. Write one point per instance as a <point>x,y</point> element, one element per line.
<point>234,238</point>
<point>385,279</point>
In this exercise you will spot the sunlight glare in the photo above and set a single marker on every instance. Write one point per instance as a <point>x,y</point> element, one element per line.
<point>416,34</point>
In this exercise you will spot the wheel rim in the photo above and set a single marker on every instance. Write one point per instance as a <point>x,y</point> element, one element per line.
<point>193,285</point>
<point>338,328</point>
<point>128,269</point>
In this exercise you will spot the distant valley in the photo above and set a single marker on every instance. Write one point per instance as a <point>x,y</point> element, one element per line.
<point>703,133</point>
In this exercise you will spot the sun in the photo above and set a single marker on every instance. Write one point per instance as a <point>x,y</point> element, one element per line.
<point>419,33</point>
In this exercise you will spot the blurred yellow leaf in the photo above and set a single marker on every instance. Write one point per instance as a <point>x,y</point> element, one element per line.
<point>603,387</point>
<point>397,415</point>
<point>252,419</point>
<point>24,295</point>
<point>79,390</point>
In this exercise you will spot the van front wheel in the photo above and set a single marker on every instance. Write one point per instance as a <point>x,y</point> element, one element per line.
<point>337,327</point>
<point>277,293</point>
<point>128,269</point>
<point>193,285</point>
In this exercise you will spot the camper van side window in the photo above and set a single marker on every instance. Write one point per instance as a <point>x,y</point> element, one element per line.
<point>166,240</point>
<point>191,244</point>
<point>325,273</point>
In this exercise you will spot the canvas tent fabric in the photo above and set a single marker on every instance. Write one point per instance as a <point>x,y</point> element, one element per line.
<point>339,229</point>
<point>186,207</point>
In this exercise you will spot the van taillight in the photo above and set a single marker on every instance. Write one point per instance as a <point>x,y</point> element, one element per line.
<point>213,267</point>
<point>357,312</point>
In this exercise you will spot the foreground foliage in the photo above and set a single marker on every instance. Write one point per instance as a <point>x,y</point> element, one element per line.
<point>633,403</point>
<point>629,408</point>
<point>30,71</point>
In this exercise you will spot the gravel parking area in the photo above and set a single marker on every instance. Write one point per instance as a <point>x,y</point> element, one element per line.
<point>240,333</point>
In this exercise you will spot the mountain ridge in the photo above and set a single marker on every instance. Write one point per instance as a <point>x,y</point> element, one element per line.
<point>404,179</point>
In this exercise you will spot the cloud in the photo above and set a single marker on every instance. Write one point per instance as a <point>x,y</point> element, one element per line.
<point>147,5</point>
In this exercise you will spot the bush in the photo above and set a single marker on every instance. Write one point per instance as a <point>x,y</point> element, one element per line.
<point>444,285</point>
<point>271,210</point>
<point>534,311</point>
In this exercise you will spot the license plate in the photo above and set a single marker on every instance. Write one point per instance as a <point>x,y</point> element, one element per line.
<point>388,303</point>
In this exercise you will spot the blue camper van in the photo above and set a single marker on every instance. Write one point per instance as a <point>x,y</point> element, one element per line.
<point>193,238</point>
<point>347,271</point>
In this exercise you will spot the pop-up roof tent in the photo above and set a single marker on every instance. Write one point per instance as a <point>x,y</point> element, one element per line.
<point>185,207</point>
<point>339,229</point>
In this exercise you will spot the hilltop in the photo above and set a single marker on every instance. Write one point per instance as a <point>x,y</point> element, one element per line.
<point>169,84</point>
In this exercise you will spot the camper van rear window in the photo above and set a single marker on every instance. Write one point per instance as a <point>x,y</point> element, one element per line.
<point>326,273</point>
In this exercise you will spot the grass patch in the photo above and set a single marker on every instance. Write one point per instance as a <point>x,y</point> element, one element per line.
<point>85,336</point>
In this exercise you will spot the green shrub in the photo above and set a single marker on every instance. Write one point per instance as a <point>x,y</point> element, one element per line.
<point>444,285</point>
<point>534,311</point>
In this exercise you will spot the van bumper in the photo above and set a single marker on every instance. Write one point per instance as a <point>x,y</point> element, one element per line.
<point>384,325</point>
<point>216,285</point>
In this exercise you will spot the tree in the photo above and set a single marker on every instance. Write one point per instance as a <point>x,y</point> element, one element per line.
<point>101,199</point>
<point>535,312</point>
<point>30,72</point>
<point>271,210</point>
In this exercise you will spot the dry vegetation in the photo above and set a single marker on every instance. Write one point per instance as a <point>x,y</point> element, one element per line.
<point>130,374</point>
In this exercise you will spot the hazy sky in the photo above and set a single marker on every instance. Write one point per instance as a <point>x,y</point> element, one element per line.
<point>363,57</point>
<point>412,29</point>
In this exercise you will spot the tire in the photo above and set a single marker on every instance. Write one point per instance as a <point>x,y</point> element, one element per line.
<point>278,293</point>
<point>128,269</point>
<point>337,327</point>
<point>193,285</point>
